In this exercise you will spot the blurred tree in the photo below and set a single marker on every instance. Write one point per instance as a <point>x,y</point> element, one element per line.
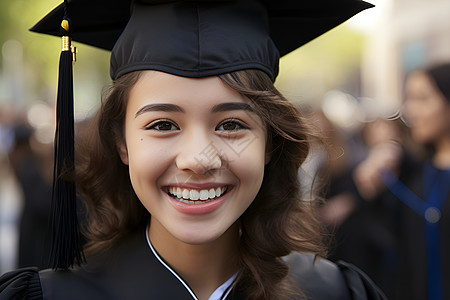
<point>329,62</point>
<point>41,55</point>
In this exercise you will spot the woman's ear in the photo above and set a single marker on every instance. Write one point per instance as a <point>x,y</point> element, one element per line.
<point>122,150</point>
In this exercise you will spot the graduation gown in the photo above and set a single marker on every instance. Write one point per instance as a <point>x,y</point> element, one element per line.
<point>412,277</point>
<point>132,271</point>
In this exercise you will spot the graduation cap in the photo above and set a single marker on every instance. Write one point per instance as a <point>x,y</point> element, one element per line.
<point>185,38</point>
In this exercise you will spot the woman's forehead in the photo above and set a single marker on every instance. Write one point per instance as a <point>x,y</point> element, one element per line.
<point>160,87</point>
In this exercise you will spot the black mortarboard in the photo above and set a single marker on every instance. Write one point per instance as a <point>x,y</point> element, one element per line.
<point>185,38</point>
<point>198,39</point>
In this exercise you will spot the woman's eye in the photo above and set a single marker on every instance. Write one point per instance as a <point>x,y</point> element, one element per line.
<point>162,126</point>
<point>231,126</point>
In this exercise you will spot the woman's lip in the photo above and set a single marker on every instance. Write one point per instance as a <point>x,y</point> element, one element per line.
<point>197,186</point>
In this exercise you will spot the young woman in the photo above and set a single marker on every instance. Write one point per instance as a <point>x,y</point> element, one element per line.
<point>424,209</point>
<point>190,177</point>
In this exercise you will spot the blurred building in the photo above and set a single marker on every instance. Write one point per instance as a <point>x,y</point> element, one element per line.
<point>409,34</point>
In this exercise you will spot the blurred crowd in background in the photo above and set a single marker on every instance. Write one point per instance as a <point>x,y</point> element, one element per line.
<point>387,130</point>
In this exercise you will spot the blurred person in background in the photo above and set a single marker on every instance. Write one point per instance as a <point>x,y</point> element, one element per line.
<point>10,197</point>
<point>423,221</point>
<point>357,211</point>
<point>31,162</point>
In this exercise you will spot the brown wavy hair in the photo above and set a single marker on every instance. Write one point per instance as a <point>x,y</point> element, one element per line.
<point>276,223</point>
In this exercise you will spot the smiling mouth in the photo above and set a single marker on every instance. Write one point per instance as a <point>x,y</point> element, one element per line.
<point>193,196</point>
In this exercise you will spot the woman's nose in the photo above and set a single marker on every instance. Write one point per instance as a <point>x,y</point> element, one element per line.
<point>199,154</point>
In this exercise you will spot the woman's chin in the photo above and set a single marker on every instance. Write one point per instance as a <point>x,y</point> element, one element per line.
<point>202,234</point>
<point>197,237</point>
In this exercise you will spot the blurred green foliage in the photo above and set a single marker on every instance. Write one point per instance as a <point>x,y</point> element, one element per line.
<point>331,61</point>
<point>41,55</point>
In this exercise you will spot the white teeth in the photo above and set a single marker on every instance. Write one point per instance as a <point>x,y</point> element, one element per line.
<point>192,196</point>
<point>204,194</point>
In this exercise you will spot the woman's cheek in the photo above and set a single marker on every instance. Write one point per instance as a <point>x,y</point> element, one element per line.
<point>250,162</point>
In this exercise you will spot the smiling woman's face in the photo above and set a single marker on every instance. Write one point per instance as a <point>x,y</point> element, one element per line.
<point>196,153</point>
<point>426,109</point>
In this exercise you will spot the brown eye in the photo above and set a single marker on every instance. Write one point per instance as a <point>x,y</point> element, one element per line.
<point>163,126</point>
<point>231,125</point>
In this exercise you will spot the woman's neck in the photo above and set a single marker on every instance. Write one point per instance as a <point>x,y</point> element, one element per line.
<point>441,158</point>
<point>204,267</point>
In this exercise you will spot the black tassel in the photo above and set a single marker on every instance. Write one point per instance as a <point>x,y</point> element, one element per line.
<point>66,241</point>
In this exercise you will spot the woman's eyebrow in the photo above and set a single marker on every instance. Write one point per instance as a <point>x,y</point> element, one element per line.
<point>159,107</point>
<point>227,106</point>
